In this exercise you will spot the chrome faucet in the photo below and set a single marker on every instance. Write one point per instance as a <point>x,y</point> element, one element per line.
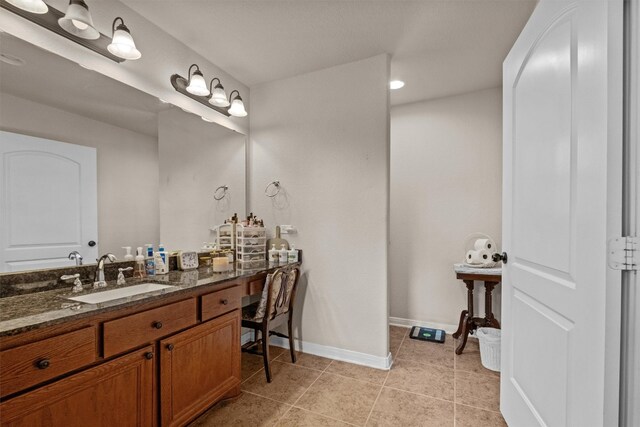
<point>75,255</point>
<point>99,277</point>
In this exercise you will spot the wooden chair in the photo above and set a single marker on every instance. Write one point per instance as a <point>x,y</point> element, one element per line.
<point>274,308</point>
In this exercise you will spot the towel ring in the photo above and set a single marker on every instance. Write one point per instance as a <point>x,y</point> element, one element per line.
<point>221,192</point>
<point>273,193</point>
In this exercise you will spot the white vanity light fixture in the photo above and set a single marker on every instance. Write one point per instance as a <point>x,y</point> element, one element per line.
<point>218,95</point>
<point>33,6</point>
<point>122,44</point>
<point>196,84</point>
<point>77,21</point>
<point>237,106</point>
<point>396,84</point>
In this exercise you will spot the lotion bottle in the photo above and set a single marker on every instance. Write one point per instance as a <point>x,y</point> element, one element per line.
<point>150,263</point>
<point>293,255</point>
<point>160,266</point>
<point>283,254</point>
<point>274,255</point>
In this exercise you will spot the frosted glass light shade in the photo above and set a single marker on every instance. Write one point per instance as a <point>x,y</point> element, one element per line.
<point>33,6</point>
<point>77,21</point>
<point>219,97</point>
<point>197,85</point>
<point>237,108</point>
<point>122,44</point>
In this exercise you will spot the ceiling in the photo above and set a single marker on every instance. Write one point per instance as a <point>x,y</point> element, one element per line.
<point>52,80</point>
<point>439,48</point>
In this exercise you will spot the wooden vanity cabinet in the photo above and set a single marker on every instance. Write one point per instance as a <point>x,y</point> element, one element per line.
<point>115,393</point>
<point>162,363</point>
<point>199,366</point>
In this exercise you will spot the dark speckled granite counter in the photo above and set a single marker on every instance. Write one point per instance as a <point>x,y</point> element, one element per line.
<point>21,313</point>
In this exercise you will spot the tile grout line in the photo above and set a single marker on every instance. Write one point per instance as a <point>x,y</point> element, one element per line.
<point>304,392</point>
<point>455,381</point>
<point>384,382</point>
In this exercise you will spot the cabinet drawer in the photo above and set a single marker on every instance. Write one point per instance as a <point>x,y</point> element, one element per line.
<point>141,328</point>
<point>40,361</point>
<point>220,302</point>
<point>255,286</point>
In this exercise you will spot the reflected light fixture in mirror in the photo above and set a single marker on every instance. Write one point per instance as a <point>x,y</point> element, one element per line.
<point>33,6</point>
<point>218,95</point>
<point>396,84</point>
<point>237,106</point>
<point>77,21</point>
<point>197,85</point>
<point>122,44</point>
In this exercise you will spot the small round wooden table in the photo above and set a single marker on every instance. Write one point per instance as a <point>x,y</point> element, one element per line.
<point>468,323</point>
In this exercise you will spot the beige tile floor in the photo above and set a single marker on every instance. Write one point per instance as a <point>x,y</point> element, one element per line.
<point>428,385</point>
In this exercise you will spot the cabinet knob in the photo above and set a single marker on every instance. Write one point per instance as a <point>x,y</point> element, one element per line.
<point>224,301</point>
<point>148,355</point>
<point>91,243</point>
<point>169,347</point>
<point>43,364</point>
<point>157,325</point>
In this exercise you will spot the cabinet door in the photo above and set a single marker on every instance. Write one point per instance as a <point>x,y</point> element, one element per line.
<point>199,367</point>
<point>116,393</point>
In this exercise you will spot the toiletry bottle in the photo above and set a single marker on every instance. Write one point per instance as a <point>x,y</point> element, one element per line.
<point>140,269</point>
<point>274,255</point>
<point>127,256</point>
<point>283,255</point>
<point>163,253</point>
<point>292,255</point>
<point>160,266</point>
<point>150,263</point>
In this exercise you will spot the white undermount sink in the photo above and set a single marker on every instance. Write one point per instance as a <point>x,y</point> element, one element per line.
<point>114,294</point>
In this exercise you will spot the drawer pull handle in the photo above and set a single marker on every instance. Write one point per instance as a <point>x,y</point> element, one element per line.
<point>224,301</point>
<point>157,325</point>
<point>169,347</point>
<point>43,364</point>
<point>148,355</point>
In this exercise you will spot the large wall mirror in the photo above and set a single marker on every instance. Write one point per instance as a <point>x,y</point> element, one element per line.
<point>91,165</point>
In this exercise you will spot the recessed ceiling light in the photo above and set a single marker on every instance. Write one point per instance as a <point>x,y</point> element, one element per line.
<point>11,60</point>
<point>396,84</point>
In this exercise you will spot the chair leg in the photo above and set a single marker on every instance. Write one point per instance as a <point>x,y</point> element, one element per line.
<point>265,353</point>
<point>293,352</point>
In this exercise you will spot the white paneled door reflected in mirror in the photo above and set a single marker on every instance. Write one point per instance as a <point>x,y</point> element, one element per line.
<point>92,165</point>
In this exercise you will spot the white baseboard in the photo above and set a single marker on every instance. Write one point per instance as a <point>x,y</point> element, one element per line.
<point>336,353</point>
<point>398,321</point>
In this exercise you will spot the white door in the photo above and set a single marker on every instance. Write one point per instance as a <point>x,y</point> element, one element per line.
<point>48,202</point>
<point>561,203</point>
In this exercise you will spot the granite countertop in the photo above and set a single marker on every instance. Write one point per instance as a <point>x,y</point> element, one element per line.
<point>465,269</point>
<point>21,313</point>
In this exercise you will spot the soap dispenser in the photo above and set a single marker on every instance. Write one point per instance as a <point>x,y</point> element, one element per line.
<point>292,255</point>
<point>140,269</point>
<point>283,255</point>
<point>274,255</point>
<point>127,256</point>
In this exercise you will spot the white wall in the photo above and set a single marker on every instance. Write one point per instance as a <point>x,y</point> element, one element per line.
<point>162,56</point>
<point>127,168</point>
<point>325,136</point>
<point>195,158</point>
<point>446,173</point>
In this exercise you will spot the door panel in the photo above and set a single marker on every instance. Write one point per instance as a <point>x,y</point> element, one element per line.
<point>561,202</point>
<point>48,202</point>
<point>198,367</point>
